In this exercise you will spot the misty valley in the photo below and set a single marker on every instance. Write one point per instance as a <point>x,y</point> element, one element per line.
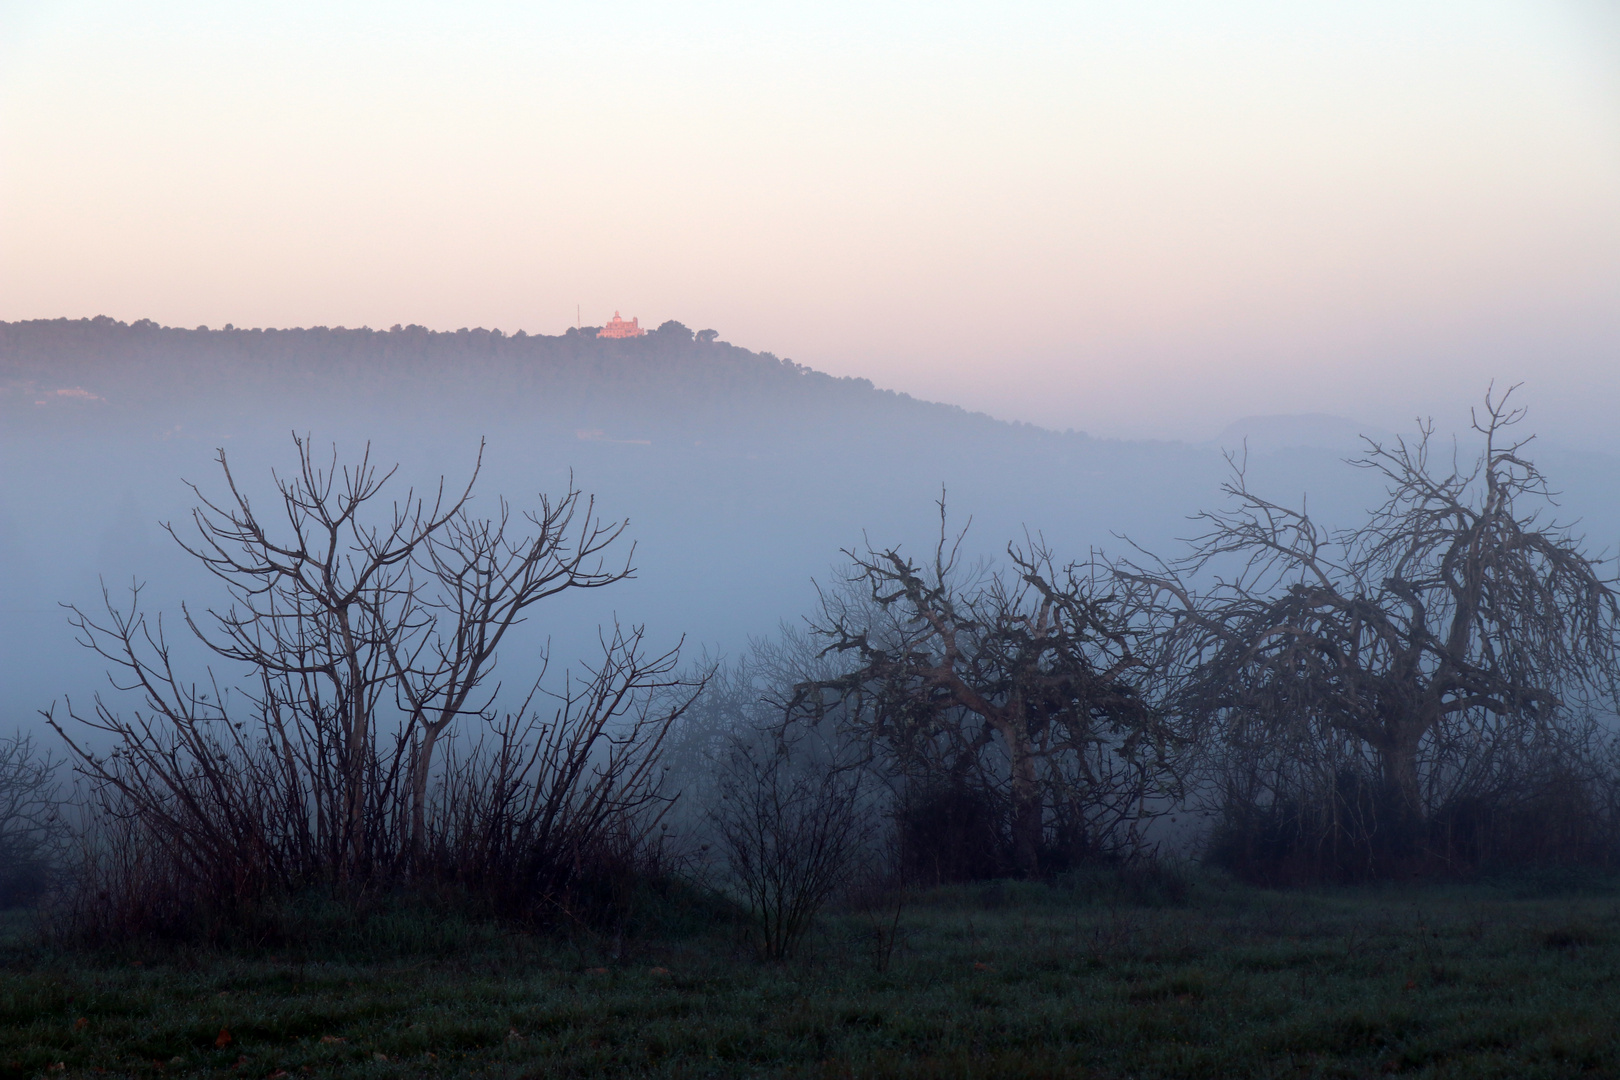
<point>414,703</point>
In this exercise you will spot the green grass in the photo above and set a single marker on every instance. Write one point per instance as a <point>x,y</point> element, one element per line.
<point>1515,979</point>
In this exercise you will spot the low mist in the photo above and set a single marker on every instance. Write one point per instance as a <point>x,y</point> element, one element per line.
<point>742,476</point>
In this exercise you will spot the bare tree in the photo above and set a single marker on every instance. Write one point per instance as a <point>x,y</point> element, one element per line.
<point>477,578</point>
<point>29,819</point>
<point>365,630</point>
<point>1432,641</point>
<point>1023,682</point>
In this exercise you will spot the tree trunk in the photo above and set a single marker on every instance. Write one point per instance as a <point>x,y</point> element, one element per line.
<point>1403,791</point>
<point>357,738</point>
<point>1027,819</point>
<point>1027,830</point>
<point>419,782</point>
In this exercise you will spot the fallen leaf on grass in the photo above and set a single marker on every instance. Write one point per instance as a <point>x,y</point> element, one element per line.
<point>596,971</point>
<point>380,1056</point>
<point>80,1024</point>
<point>222,1040</point>
<point>277,1075</point>
<point>332,1039</point>
<point>660,971</point>
<point>977,966</point>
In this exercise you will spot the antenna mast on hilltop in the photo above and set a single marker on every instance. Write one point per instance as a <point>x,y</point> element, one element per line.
<point>576,316</point>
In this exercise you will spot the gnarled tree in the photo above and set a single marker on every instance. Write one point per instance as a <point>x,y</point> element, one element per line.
<point>1437,643</point>
<point>1021,684</point>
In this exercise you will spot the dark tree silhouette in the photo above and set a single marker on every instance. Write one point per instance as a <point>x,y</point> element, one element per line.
<point>366,631</point>
<point>30,823</point>
<point>1022,684</point>
<point>1450,626</point>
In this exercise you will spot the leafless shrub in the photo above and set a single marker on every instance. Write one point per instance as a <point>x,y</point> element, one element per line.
<point>559,810</point>
<point>878,893</point>
<point>791,832</point>
<point>365,637</point>
<point>121,882</point>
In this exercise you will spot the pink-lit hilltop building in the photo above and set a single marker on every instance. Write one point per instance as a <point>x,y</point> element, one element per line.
<point>618,328</point>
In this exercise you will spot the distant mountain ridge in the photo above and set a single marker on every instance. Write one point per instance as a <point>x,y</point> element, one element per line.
<point>73,363</point>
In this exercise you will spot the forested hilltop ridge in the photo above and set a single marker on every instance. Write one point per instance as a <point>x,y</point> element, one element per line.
<point>56,364</point>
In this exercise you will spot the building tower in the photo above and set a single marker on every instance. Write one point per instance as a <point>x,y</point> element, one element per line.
<point>618,328</point>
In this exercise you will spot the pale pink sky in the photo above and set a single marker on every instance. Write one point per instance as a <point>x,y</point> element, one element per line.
<point>1144,219</point>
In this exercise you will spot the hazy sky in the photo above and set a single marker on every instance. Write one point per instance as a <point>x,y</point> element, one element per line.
<point>1133,218</point>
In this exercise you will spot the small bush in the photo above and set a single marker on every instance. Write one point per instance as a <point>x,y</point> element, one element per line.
<point>1154,882</point>
<point>1571,937</point>
<point>1355,833</point>
<point>791,832</point>
<point>1140,882</point>
<point>949,834</point>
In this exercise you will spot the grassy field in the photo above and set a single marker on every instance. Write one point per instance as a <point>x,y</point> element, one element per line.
<point>1512,979</point>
